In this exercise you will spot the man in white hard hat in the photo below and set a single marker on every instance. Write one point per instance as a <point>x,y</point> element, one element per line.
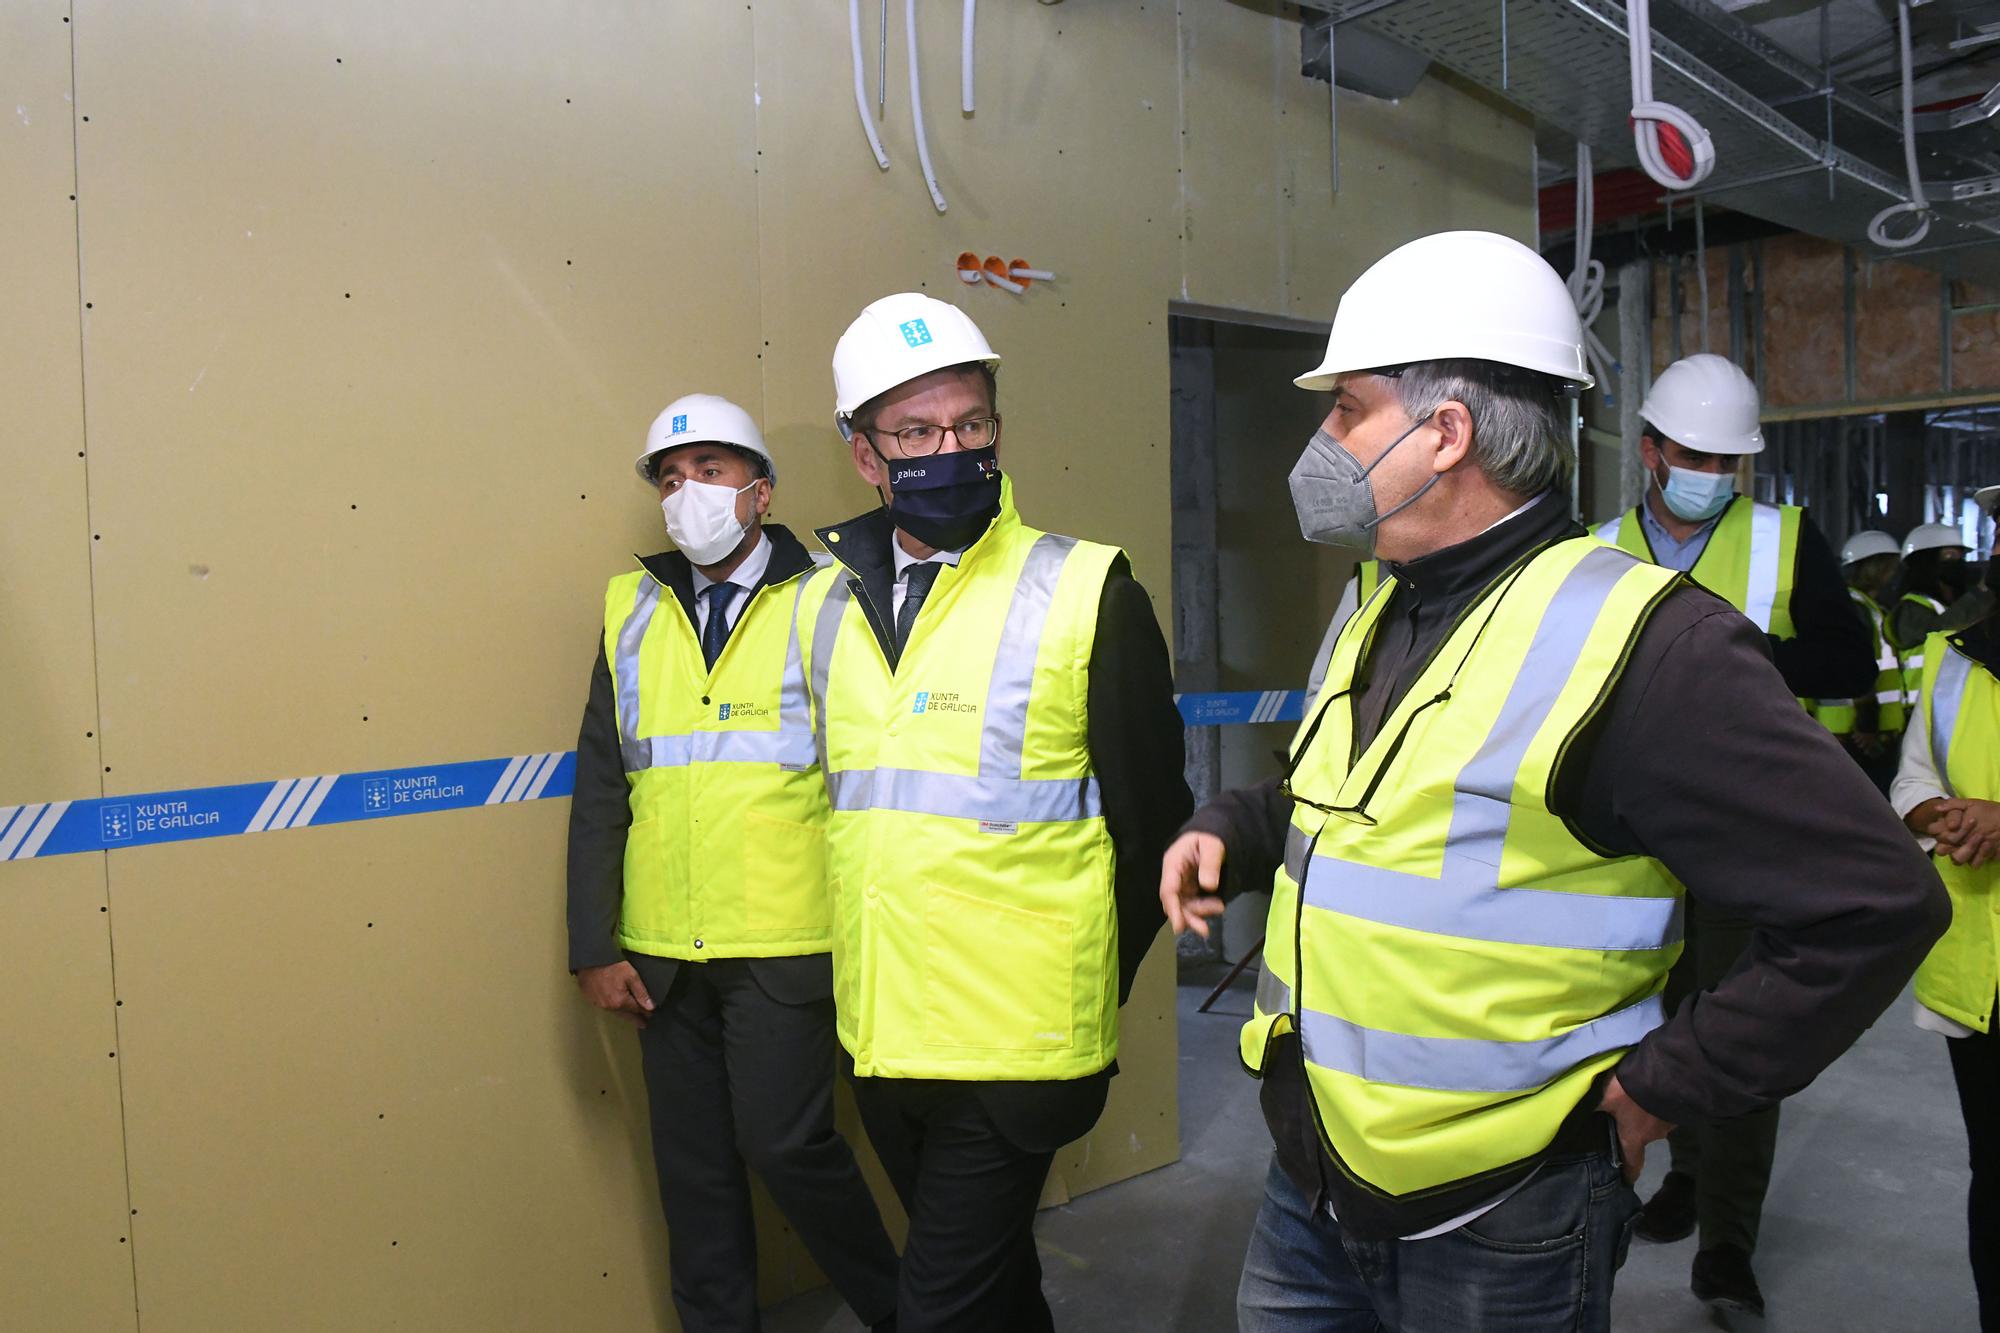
<point>1935,579</point>
<point>1771,563</point>
<point>1871,725</point>
<point>697,895</point>
<point>1003,757</point>
<point>1518,758</point>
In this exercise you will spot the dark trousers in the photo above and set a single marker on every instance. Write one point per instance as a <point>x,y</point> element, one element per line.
<point>969,1262</point>
<point>1730,1162</point>
<point>735,1078</point>
<point>1975,1066</point>
<point>1542,1261</point>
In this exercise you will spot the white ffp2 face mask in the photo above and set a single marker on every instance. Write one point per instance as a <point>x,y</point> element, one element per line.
<point>701,518</point>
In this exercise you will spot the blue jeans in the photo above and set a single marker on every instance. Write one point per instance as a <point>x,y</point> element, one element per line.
<point>1542,1261</point>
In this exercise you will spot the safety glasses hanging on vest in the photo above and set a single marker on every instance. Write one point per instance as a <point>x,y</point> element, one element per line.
<point>1358,812</point>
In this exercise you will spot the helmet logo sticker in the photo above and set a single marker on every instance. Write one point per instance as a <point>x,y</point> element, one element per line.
<point>916,333</point>
<point>680,425</point>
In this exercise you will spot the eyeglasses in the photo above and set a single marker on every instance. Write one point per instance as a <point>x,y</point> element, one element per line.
<point>919,441</point>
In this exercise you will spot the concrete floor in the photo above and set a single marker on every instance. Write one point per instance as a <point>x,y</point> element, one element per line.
<point>1864,1229</point>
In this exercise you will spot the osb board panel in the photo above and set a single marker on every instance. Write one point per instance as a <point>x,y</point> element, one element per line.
<point>1897,338</point>
<point>65,1224</point>
<point>1264,229</point>
<point>1975,350</point>
<point>1804,331</point>
<point>378,316</point>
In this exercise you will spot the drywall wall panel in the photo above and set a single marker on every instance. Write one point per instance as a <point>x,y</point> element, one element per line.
<point>64,1216</point>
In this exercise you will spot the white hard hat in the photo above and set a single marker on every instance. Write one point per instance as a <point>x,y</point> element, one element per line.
<point>1987,498</point>
<point>895,340</point>
<point>1705,402</point>
<point>703,418</point>
<point>1470,294</point>
<point>1866,546</point>
<point>1933,537</point>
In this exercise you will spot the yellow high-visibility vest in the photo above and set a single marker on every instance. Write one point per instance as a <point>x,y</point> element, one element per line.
<point>1959,710</point>
<point>726,854</point>
<point>1458,966</point>
<point>975,935</point>
<point>1912,655</point>
<point>1751,561</point>
<point>1841,716</point>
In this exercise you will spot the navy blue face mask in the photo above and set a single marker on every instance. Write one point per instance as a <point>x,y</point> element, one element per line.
<point>945,500</point>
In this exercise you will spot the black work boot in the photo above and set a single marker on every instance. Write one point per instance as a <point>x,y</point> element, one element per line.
<point>1723,1278</point>
<point>1669,1214</point>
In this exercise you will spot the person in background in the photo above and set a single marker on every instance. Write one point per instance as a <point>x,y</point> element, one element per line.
<point>1871,725</point>
<point>697,890</point>
<point>1948,792</point>
<point>1935,577</point>
<point>1771,563</point>
<point>1526,744</point>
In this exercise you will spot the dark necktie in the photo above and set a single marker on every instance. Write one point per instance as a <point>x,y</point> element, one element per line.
<point>715,631</point>
<point>917,581</point>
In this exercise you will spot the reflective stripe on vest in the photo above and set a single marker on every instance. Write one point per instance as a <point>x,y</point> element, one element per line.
<point>1960,701</point>
<point>1947,698</point>
<point>1764,594</point>
<point>1459,967</point>
<point>998,794</point>
<point>790,746</point>
<point>1466,900</point>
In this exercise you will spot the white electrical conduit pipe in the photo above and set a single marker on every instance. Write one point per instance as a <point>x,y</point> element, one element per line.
<point>1586,280</point>
<point>965,56</point>
<point>1650,115</point>
<point>861,85</point>
<point>1878,229</point>
<point>917,106</point>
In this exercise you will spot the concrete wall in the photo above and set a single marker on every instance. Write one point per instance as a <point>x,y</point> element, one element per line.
<point>333,331</point>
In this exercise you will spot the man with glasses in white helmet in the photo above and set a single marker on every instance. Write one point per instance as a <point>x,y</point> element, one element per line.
<point>1003,758</point>
<point>1771,563</point>
<point>697,891</point>
<point>1519,757</point>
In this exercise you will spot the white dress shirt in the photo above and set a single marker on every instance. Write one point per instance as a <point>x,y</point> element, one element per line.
<point>747,576</point>
<point>1917,781</point>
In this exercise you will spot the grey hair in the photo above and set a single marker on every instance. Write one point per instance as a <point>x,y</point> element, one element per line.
<point>1520,436</point>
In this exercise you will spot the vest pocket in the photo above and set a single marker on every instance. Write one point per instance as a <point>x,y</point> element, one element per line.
<point>645,913</point>
<point>784,877</point>
<point>996,977</point>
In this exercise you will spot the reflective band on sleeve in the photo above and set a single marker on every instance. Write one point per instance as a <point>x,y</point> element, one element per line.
<point>1007,690</point>
<point>1466,900</point>
<point>1766,540</point>
<point>1947,696</point>
<point>1609,532</point>
<point>957,796</point>
<point>787,749</point>
<point>1468,1064</point>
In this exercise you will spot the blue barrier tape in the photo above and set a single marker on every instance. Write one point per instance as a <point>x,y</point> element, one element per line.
<point>113,822</point>
<point>1237,706</point>
<point>61,828</point>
